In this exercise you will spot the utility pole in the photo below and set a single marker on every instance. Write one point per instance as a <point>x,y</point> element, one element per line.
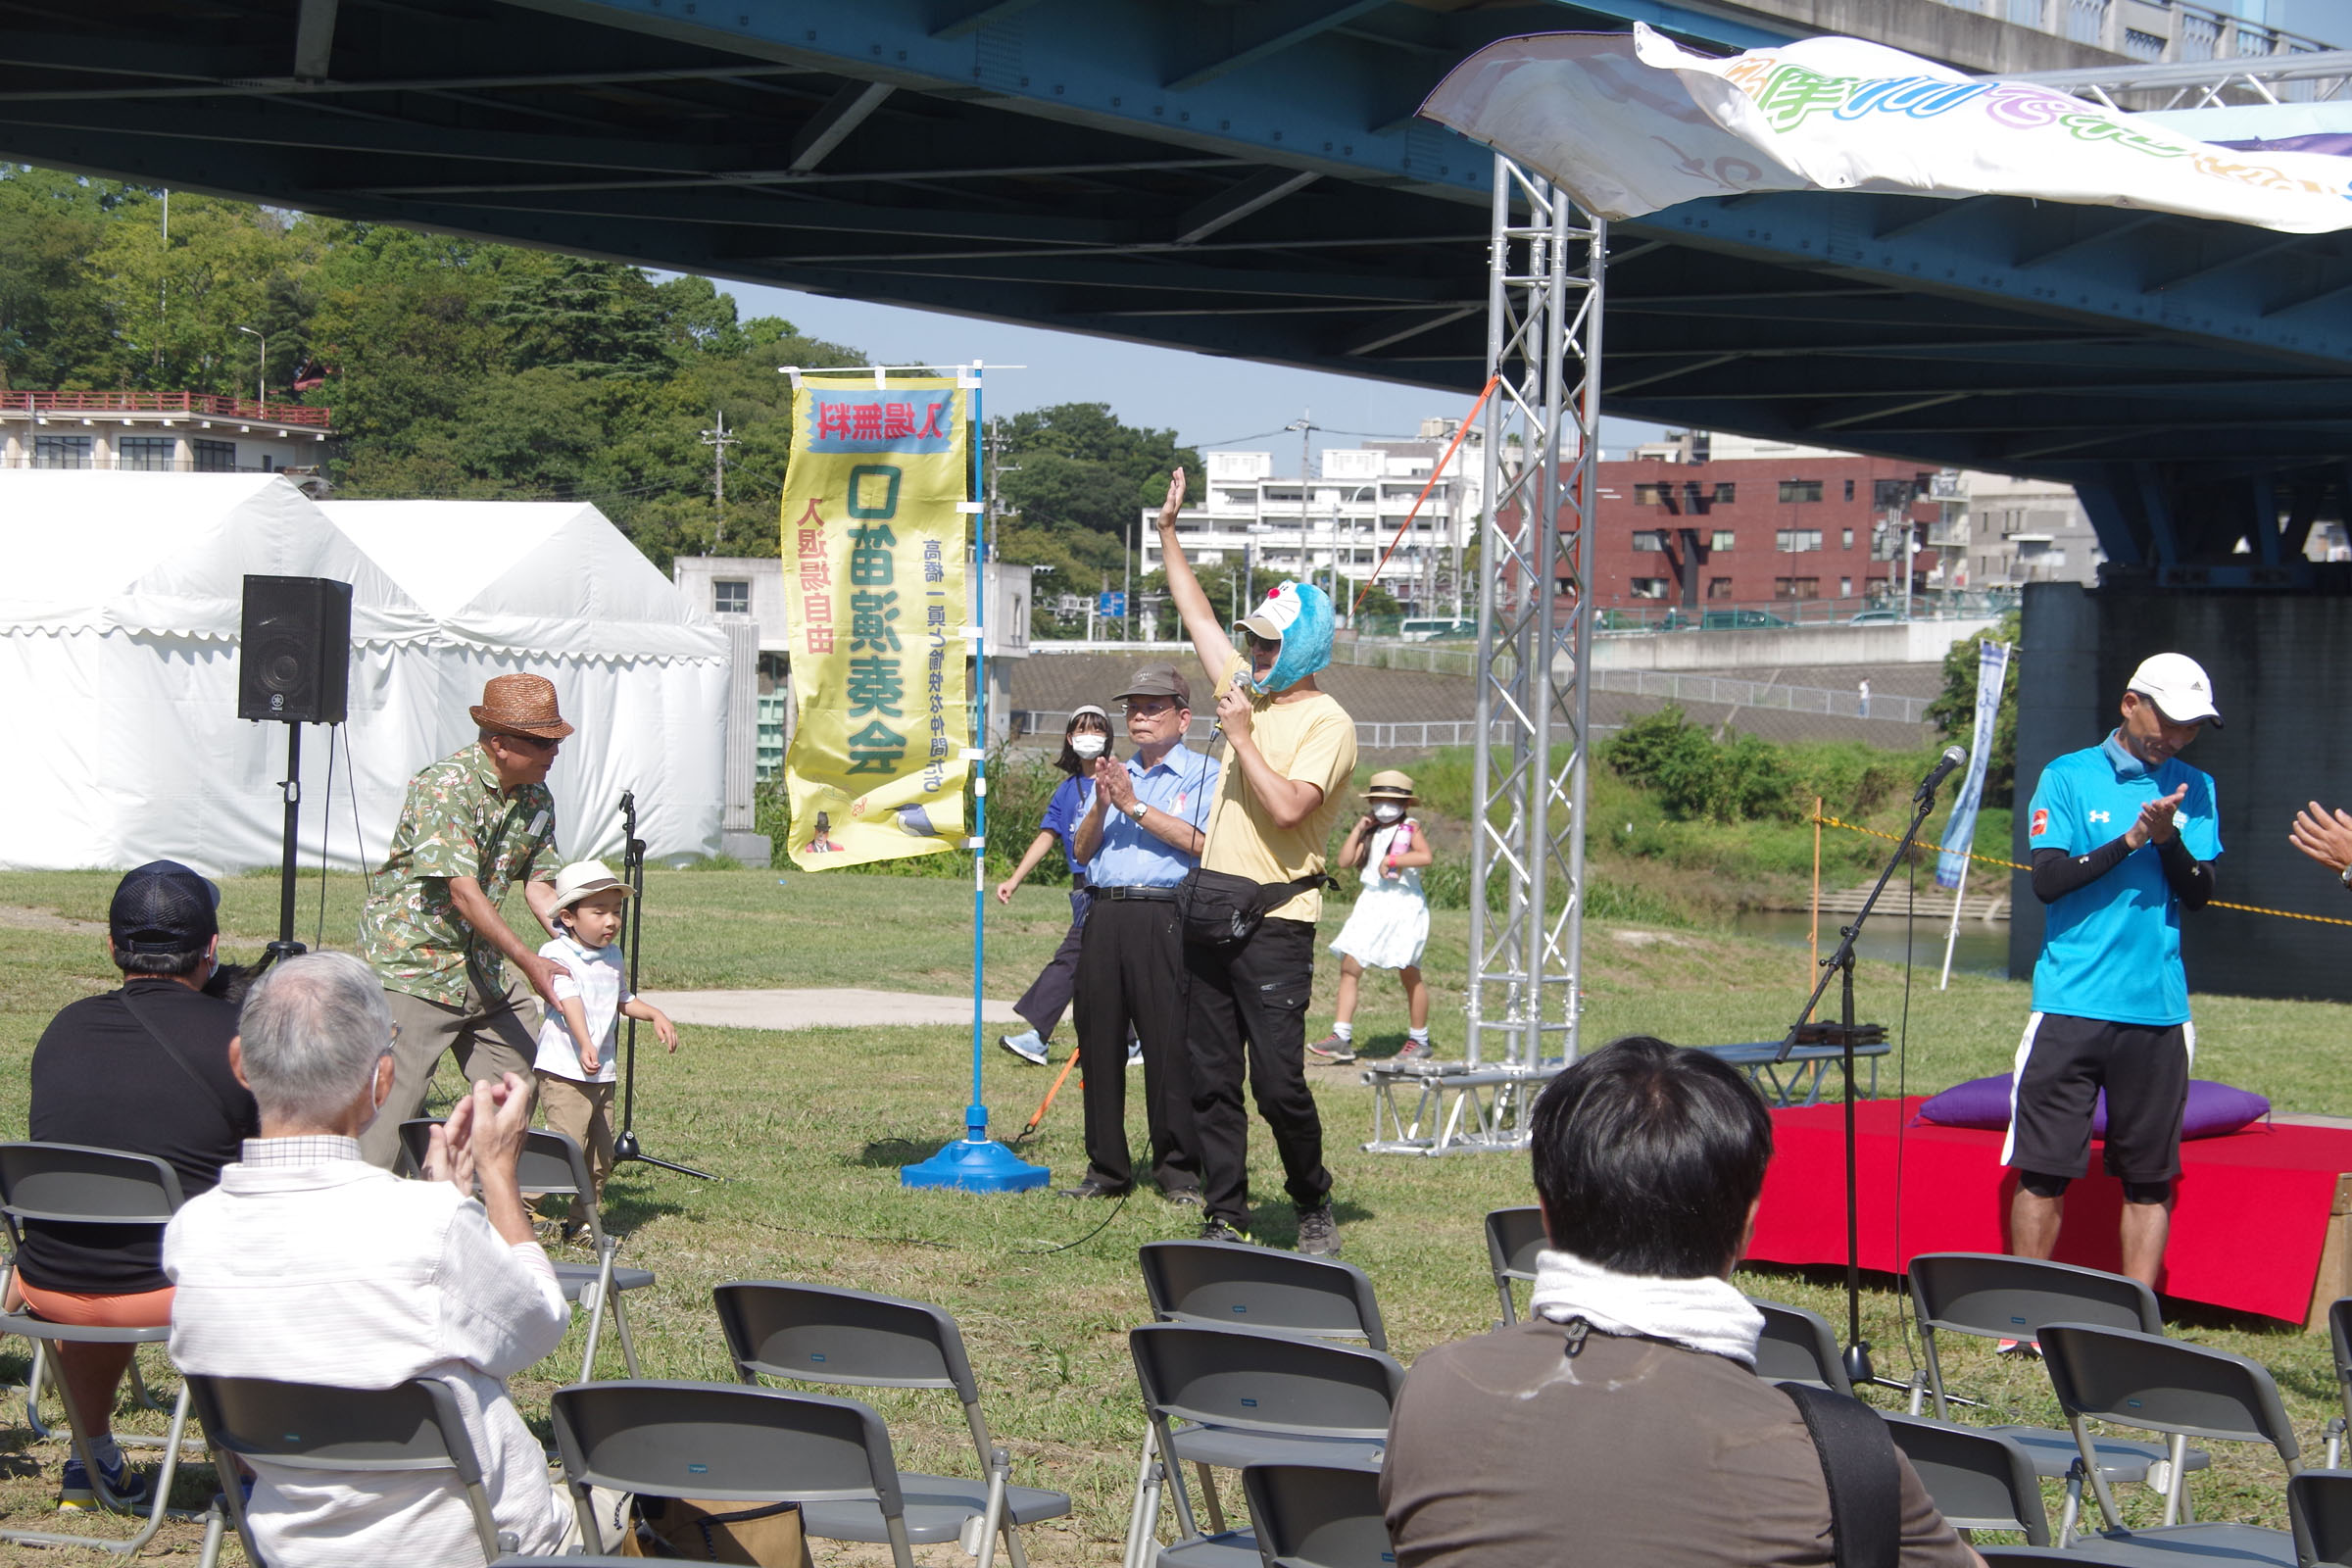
<point>1305,425</point>
<point>1127,599</point>
<point>718,440</point>
<point>998,467</point>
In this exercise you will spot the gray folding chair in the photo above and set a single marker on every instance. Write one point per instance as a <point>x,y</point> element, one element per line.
<point>1316,1516</point>
<point>2028,1556</point>
<point>824,1334</point>
<point>2184,1391</point>
<point>1978,1480</point>
<point>409,1427</point>
<point>1515,1236</point>
<point>1227,1399</point>
<point>553,1166</point>
<point>725,1442</point>
<point>1992,1296</point>
<point>71,1183</point>
<point>2318,1509</point>
<point>1799,1347</point>
<point>2339,1339</point>
<point>1260,1288</point>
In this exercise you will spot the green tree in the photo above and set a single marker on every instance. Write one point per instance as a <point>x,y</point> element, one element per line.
<point>1078,467</point>
<point>1954,711</point>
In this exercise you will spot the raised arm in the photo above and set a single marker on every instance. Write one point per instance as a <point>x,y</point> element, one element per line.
<point>1200,616</point>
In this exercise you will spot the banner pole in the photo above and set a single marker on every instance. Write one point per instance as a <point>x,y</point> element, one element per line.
<point>1952,935</point>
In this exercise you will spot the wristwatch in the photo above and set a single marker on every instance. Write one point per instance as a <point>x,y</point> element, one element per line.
<point>2346,874</point>
<point>1137,810</point>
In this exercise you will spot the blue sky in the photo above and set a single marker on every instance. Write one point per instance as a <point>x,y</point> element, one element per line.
<point>1210,401</point>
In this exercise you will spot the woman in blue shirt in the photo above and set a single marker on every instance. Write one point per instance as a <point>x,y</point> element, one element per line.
<point>1085,737</point>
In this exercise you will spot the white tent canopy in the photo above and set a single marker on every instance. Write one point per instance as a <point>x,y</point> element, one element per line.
<point>555,589</point>
<point>119,638</point>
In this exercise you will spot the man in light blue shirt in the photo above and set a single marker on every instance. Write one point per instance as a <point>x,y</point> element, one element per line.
<point>1138,834</point>
<point>2123,835</point>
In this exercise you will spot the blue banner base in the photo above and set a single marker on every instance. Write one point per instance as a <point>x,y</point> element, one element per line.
<point>976,1165</point>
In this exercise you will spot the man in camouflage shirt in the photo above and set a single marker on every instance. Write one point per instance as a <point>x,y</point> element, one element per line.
<point>473,827</point>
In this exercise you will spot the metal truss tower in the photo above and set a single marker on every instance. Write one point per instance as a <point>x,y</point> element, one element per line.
<point>1546,268</point>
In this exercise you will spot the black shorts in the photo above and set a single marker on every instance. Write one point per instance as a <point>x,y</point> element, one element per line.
<point>2063,1063</point>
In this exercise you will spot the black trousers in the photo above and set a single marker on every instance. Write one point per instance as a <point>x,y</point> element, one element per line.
<point>1247,1009</point>
<point>1131,976</point>
<point>1041,1005</point>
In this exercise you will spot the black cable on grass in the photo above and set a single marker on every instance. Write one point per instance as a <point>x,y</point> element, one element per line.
<point>1047,1251</point>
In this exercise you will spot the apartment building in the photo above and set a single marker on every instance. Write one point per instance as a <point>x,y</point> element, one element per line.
<point>165,432</point>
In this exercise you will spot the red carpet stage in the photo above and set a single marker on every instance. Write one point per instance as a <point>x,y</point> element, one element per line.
<point>2256,1208</point>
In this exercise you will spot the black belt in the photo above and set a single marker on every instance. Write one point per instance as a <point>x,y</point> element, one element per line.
<point>1147,894</point>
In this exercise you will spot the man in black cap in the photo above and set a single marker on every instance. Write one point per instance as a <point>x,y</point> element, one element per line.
<point>144,1069</point>
<point>1138,834</point>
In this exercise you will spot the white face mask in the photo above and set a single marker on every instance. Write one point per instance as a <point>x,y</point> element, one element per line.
<point>1089,747</point>
<point>1388,813</point>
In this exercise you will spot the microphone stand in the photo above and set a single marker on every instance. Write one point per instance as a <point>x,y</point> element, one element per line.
<point>625,1147</point>
<point>1842,965</point>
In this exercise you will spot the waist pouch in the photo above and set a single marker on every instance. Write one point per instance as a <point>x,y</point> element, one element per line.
<point>1219,910</point>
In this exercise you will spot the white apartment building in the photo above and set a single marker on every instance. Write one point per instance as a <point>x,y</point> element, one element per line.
<point>2008,531</point>
<point>165,432</point>
<point>1337,523</point>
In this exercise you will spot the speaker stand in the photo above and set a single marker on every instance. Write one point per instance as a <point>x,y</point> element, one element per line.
<point>285,946</point>
<point>627,1150</point>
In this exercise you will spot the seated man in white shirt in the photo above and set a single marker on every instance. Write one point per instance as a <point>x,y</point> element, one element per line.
<point>308,1264</point>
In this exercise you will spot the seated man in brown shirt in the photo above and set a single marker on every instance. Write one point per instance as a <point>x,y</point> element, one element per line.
<point>1624,1423</point>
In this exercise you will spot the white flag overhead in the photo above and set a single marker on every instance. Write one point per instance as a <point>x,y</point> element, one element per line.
<point>1629,123</point>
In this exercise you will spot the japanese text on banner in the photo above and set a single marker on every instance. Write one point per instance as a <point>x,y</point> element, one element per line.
<point>874,571</point>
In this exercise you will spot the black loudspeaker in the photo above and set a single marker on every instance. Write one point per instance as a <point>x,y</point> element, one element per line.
<point>295,662</point>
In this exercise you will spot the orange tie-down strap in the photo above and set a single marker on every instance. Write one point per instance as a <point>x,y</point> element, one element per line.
<point>2012,866</point>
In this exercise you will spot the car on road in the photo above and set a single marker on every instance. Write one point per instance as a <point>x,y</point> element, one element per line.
<point>1875,617</point>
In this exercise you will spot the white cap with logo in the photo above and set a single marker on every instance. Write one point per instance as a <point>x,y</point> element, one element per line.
<point>2176,683</point>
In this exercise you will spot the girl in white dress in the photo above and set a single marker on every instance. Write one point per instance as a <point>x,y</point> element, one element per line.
<point>1390,923</point>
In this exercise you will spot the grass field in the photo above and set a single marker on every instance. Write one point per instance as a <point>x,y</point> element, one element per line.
<point>810,1127</point>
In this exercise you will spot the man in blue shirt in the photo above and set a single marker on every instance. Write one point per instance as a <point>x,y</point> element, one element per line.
<point>1138,835</point>
<point>2110,998</point>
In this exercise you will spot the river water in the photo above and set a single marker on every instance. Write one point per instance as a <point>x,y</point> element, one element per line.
<point>1982,949</point>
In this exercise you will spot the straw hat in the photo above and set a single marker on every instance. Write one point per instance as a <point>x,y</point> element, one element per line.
<point>583,879</point>
<point>520,705</point>
<point>1391,786</point>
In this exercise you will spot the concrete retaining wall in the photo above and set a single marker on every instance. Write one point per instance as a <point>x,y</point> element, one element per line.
<point>1917,642</point>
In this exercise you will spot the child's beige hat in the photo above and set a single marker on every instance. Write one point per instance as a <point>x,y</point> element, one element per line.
<point>584,879</point>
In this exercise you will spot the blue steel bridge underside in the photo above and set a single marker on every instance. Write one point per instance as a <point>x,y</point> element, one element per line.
<point>1242,178</point>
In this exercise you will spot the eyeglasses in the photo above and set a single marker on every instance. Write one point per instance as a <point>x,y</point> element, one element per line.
<point>1147,709</point>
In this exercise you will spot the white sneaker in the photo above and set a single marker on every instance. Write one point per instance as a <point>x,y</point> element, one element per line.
<point>1026,1045</point>
<point>1135,1053</point>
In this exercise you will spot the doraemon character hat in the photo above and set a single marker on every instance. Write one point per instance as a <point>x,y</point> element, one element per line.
<point>2177,684</point>
<point>1297,615</point>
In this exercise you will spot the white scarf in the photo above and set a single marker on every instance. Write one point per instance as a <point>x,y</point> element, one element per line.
<point>1702,1315</point>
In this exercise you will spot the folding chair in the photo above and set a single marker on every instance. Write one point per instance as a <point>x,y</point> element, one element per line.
<point>1227,1399</point>
<point>1992,1296</point>
<point>1260,1288</point>
<point>553,1166</point>
<point>1515,1236</point>
<point>410,1427</point>
<point>2184,1391</point>
<point>824,1333</point>
<point>1978,1480</point>
<point>2028,1556</point>
<point>71,1183</point>
<point>1314,1516</point>
<point>725,1442</point>
<point>2318,1509</point>
<point>1799,1347</point>
<point>2339,1338</point>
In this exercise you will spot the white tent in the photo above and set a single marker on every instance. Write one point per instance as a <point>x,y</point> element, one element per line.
<point>119,635</point>
<point>119,627</point>
<point>555,589</point>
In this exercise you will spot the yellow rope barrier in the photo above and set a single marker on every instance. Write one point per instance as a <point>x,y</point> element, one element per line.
<point>1994,859</point>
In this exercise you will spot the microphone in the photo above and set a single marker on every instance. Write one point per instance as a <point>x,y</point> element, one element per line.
<point>1953,756</point>
<point>1245,681</point>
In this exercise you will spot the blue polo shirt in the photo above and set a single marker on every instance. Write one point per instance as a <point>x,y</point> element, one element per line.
<point>2112,949</point>
<point>1132,856</point>
<point>1061,817</point>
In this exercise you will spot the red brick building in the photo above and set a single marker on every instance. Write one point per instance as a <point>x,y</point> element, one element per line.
<point>1700,523</point>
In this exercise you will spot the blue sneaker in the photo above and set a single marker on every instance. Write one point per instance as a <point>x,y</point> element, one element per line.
<point>126,1488</point>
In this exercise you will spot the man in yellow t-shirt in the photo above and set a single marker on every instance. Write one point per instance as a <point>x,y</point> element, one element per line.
<point>1293,748</point>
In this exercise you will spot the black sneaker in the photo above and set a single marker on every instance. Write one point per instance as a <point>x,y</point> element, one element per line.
<point>1318,1232</point>
<point>1214,1229</point>
<point>1334,1048</point>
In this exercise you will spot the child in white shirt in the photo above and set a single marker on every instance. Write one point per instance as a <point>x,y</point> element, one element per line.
<point>575,1067</point>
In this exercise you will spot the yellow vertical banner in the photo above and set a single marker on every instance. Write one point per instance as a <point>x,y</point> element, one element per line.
<point>876,580</point>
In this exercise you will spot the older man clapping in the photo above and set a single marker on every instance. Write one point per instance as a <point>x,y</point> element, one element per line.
<point>308,1265</point>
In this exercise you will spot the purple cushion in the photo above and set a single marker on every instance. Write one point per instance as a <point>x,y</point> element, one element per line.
<point>2213,1108</point>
